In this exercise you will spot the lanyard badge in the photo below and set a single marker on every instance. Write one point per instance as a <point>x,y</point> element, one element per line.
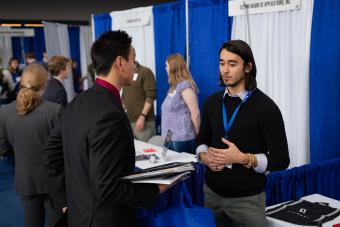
<point>227,125</point>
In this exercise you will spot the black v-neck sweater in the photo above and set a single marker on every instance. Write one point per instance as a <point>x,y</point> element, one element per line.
<point>258,128</point>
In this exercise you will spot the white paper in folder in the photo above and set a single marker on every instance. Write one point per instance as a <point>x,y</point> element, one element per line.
<point>172,156</point>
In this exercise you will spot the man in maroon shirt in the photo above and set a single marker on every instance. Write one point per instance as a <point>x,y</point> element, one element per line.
<point>96,140</point>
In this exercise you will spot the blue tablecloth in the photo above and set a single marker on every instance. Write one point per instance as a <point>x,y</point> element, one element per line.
<point>195,186</point>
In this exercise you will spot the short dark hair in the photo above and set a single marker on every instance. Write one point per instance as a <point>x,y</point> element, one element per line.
<point>243,50</point>
<point>107,48</point>
<point>30,55</point>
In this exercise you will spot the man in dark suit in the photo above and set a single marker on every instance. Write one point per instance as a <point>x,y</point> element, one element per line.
<point>97,143</point>
<point>60,69</point>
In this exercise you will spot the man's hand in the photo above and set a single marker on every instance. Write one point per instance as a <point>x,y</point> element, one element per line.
<point>206,159</point>
<point>230,155</point>
<point>140,123</point>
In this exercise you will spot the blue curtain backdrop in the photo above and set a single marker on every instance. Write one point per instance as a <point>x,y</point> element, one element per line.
<point>34,44</point>
<point>73,33</point>
<point>209,27</point>
<point>169,28</point>
<point>292,184</point>
<point>102,23</point>
<point>324,81</point>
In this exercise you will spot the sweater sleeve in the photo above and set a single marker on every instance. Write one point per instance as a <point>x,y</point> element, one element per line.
<point>53,159</point>
<point>149,86</point>
<point>276,140</point>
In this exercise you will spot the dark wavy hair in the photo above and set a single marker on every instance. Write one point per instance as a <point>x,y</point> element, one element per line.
<point>243,50</point>
<point>107,48</point>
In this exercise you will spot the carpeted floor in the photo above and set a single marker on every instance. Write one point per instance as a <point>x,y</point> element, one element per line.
<point>11,214</point>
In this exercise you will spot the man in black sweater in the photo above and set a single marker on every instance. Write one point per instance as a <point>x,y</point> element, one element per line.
<point>242,136</point>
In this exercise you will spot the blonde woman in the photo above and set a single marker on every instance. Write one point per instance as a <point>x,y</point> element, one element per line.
<point>180,112</point>
<point>24,126</point>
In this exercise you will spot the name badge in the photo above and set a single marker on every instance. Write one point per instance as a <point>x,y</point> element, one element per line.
<point>135,76</point>
<point>172,94</point>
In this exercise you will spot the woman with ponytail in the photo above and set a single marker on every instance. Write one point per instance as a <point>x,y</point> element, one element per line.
<point>24,126</point>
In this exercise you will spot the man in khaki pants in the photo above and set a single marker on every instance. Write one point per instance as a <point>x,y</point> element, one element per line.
<point>242,136</point>
<point>138,102</point>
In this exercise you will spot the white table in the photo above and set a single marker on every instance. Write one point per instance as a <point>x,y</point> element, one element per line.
<point>271,222</point>
<point>171,156</point>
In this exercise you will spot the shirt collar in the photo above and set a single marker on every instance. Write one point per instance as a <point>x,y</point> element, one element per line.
<point>242,94</point>
<point>114,91</point>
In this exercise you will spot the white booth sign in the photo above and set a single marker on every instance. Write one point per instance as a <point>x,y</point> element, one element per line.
<point>131,20</point>
<point>242,7</point>
<point>11,32</point>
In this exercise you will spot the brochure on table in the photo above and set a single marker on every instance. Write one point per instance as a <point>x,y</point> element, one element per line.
<point>150,149</point>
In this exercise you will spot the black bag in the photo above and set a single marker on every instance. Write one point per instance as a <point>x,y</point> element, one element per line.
<point>303,212</point>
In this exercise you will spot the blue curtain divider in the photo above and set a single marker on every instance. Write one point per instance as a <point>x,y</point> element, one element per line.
<point>74,39</point>
<point>209,27</point>
<point>34,44</point>
<point>324,81</point>
<point>169,30</point>
<point>322,178</point>
<point>102,23</point>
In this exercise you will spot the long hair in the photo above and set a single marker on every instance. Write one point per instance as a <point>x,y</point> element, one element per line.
<point>178,71</point>
<point>10,61</point>
<point>33,80</point>
<point>243,50</point>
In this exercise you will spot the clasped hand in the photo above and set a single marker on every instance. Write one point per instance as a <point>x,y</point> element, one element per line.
<point>216,158</point>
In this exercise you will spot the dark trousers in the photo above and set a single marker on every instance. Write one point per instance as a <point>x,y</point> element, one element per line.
<point>36,208</point>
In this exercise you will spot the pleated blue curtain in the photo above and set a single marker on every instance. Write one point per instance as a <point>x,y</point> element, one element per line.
<point>209,27</point>
<point>324,82</point>
<point>34,44</point>
<point>102,23</point>
<point>292,184</point>
<point>169,30</point>
<point>73,33</point>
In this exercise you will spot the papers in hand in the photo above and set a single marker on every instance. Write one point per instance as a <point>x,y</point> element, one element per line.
<point>165,174</point>
<point>169,179</point>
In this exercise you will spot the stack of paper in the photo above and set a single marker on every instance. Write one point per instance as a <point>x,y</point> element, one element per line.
<point>165,174</point>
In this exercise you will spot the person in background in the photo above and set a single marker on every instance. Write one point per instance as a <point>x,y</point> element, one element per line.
<point>30,58</point>
<point>7,87</point>
<point>91,73</point>
<point>13,69</point>
<point>242,136</point>
<point>138,101</point>
<point>60,69</point>
<point>77,78</point>
<point>92,146</point>
<point>24,126</point>
<point>180,112</point>
<point>13,72</point>
<point>44,61</point>
<point>4,90</point>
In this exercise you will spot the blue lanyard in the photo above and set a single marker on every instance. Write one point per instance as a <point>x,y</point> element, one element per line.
<point>227,125</point>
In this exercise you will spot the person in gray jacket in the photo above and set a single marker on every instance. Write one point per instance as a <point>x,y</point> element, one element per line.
<point>24,126</point>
